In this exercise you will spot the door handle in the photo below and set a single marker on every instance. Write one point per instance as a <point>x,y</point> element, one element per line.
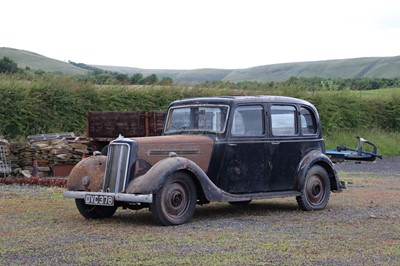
<point>275,142</point>
<point>232,144</point>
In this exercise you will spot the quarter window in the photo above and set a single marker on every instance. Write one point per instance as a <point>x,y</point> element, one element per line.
<point>283,120</point>
<point>308,125</point>
<point>248,121</point>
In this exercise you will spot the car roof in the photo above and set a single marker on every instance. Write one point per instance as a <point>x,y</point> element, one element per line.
<point>231,100</point>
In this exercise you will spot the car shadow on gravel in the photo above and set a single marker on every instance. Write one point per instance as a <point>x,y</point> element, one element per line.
<point>257,208</point>
<point>210,212</point>
<point>138,218</point>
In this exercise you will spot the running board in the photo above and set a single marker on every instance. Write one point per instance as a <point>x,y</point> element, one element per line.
<point>262,195</point>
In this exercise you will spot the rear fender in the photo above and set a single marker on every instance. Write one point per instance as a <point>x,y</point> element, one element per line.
<point>317,158</point>
<point>155,178</point>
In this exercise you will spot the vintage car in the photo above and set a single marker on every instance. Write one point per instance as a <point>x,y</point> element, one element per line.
<point>226,149</point>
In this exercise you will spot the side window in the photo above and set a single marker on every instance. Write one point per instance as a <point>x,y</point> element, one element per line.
<point>283,120</point>
<point>308,124</point>
<point>248,121</point>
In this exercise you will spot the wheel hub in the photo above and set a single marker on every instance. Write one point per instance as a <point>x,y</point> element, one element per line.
<point>315,193</point>
<point>316,189</point>
<point>176,199</point>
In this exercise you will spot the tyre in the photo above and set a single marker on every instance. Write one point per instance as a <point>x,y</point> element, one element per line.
<point>315,190</point>
<point>175,202</point>
<point>94,212</point>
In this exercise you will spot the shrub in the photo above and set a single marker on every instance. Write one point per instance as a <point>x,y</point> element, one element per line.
<point>48,104</point>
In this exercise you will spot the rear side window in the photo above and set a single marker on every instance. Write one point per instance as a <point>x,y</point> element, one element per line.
<point>248,121</point>
<point>308,124</point>
<point>283,120</point>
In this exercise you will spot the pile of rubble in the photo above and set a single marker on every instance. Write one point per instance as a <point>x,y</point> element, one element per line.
<point>49,154</point>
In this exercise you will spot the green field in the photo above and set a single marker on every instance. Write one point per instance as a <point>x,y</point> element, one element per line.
<point>361,95</point>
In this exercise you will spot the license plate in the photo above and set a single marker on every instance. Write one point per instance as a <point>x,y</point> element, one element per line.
<point>103,200</point>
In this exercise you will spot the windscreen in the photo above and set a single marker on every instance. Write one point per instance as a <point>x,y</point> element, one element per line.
<point>210,118</point>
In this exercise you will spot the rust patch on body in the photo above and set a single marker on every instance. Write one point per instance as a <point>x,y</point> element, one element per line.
<point>193,147</point>
<point>88,174</point>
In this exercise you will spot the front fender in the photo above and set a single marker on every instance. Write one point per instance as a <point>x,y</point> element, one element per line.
<point>156,177</point>
<point>88,174</point>
<point>316,157</point>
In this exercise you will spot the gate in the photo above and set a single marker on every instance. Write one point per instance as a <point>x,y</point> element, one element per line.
<point>5,166</point>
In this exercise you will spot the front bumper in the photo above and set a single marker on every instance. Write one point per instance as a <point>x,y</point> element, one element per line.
<point>134,198</point>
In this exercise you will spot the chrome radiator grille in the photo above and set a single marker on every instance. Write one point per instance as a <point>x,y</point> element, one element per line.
<point>116,168</point>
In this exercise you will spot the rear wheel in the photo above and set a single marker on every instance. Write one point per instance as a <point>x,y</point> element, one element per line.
<point>315,190</point>
<point>93,211</point>
<point>175,202</point>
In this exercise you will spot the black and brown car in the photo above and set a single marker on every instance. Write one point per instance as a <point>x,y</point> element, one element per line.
<point>226,149</point>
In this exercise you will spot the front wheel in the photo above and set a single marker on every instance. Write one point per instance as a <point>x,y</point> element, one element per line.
<point>175,202</point>
<point>94,212</point>
<point>315,190</point>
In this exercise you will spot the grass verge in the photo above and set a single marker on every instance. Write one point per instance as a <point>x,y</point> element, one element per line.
<point>387,142</point>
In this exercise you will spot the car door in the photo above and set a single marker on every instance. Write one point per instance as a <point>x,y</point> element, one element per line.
<point>293,133</point>
<point>285,146</point>
<point>245,167</point>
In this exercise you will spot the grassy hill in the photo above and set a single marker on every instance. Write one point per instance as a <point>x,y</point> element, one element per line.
<point>185,76</point>
<point>39,62</point>
<point>133,70</point>
<point>370,67</point>
<point>374,67</point>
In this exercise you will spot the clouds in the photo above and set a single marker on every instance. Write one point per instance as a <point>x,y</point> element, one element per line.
<point>201,34</point>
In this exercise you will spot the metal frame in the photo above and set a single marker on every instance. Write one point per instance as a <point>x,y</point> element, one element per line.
<point>119,163</point>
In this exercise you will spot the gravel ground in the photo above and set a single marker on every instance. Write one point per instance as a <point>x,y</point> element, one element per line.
<point>9,191</point>
<point>360,226</point>
<point>389,166</point>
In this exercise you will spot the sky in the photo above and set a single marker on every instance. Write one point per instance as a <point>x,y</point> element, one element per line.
<point>186,34</point>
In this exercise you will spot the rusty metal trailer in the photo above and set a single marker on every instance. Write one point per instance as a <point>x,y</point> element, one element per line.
<point>103,127</point>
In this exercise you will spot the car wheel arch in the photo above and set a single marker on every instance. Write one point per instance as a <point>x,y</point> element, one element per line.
<point>317,158</point>
<point>332,174</point>
<point>154,179</point>
<point>199,186</point>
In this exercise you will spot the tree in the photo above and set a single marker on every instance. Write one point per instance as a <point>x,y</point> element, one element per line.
<point>150,80</point>
<point>136,78</point>
<point>7,65</point>
<point>166,81</point>
<point>122,78</point>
